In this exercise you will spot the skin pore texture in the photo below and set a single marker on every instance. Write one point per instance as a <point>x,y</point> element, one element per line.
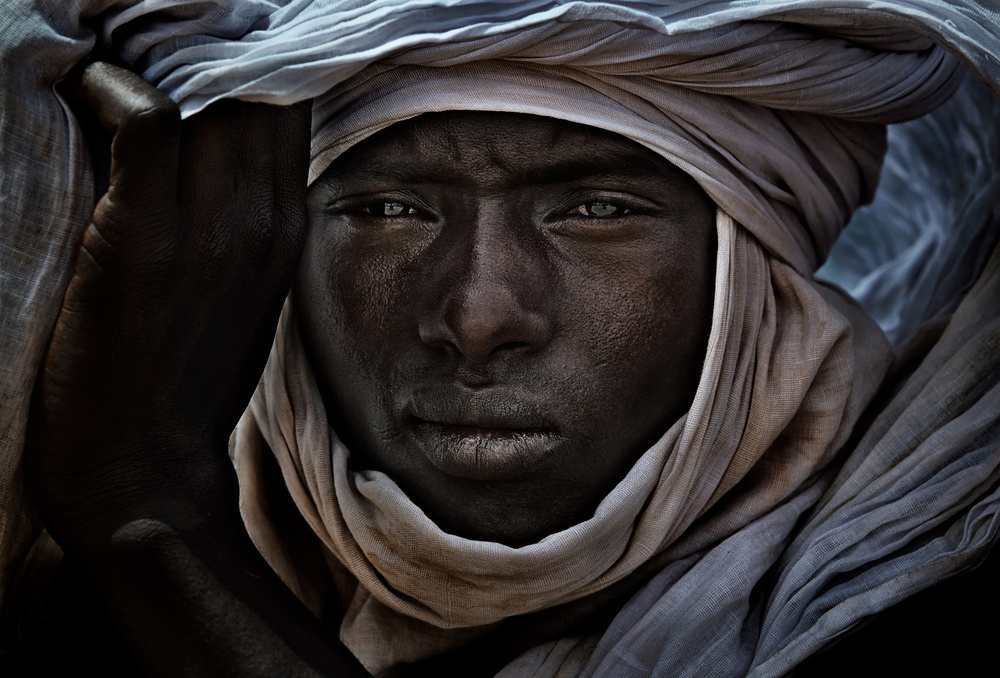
<point>504,311</point>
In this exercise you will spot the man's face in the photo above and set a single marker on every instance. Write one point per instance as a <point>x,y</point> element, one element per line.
<point>504,311</point>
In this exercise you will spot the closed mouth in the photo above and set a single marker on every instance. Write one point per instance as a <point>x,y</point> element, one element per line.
<point>476,430</point>
<point>498,450</point>
<point>478,410</point>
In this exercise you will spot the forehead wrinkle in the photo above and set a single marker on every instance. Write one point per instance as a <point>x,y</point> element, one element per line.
<point>465,146</point>
<point>519,149</point>
<point>401,171</point>
<point>501,151</point>
<point>624,166</point>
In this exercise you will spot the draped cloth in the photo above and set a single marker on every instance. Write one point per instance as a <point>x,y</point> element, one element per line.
<point>778,395</point>
<point>782,125</point>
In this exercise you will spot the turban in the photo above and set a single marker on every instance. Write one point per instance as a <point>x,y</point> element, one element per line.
<point>779,114</point>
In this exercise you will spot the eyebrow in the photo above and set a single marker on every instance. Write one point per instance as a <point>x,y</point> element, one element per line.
<point>623,164</point>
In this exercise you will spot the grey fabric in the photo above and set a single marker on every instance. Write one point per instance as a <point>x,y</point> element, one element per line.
<point>891,524</point>
<point>911,255</point>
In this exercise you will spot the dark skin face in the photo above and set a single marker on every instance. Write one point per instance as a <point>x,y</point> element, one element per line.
<point>504,311</point>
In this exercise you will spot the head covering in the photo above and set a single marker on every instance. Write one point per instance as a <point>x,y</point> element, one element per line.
<point>915,502</point>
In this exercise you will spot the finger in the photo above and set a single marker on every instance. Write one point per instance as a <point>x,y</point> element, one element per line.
<point>275,159</point>
<point>146,127</point>
<point>208,181</point>
<point>243,171</point>
<point>292,138</point>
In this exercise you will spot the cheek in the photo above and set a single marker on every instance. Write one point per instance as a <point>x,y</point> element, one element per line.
<point>641,304</point>
<point>644,321</point>
<point>348,298</point>
<point>375,292</point>
<point>356,286</point>
<point>354,304</point>
<point>631,334</point>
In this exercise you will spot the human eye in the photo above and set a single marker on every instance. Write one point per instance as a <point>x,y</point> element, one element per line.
<point>367,210</point>
<point>600,215</point>
<point>600,209</point>
<point>387,208</point>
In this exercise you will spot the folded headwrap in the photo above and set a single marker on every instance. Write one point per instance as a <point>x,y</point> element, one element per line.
<point>782,127</point>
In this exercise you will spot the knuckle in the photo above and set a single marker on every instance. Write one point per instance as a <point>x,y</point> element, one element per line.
<point>287,213</point>
<point>126,97</point>
<point>159,115</point>
<point>289,239</point>
<point>215,242</point>
<point>259,238</point>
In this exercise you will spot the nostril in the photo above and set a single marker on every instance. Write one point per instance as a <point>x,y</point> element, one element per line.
<point>479,332</point>
<point>436,334</point>
<point>512,346</point>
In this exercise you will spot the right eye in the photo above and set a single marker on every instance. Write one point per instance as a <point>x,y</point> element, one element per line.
<point>388,208</point>
<point>600,209</point>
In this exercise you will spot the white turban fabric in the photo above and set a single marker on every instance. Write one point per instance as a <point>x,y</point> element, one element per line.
<point>781,124</point>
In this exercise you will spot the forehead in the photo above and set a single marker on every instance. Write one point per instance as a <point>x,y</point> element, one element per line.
<point>499,148</point>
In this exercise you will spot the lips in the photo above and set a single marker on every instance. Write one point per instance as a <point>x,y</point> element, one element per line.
<point>481,435</point>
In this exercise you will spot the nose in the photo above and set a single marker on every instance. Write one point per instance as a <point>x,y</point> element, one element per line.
<point>487,290</point>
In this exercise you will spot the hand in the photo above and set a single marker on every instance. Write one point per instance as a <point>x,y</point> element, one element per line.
<point>170,313</point>
<point>162,335</point>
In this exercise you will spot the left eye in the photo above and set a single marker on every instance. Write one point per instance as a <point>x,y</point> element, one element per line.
<point>599,208</point>
<point>388,209</point>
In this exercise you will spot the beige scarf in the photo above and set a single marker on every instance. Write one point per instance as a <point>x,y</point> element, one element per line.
<point>778,396</point>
